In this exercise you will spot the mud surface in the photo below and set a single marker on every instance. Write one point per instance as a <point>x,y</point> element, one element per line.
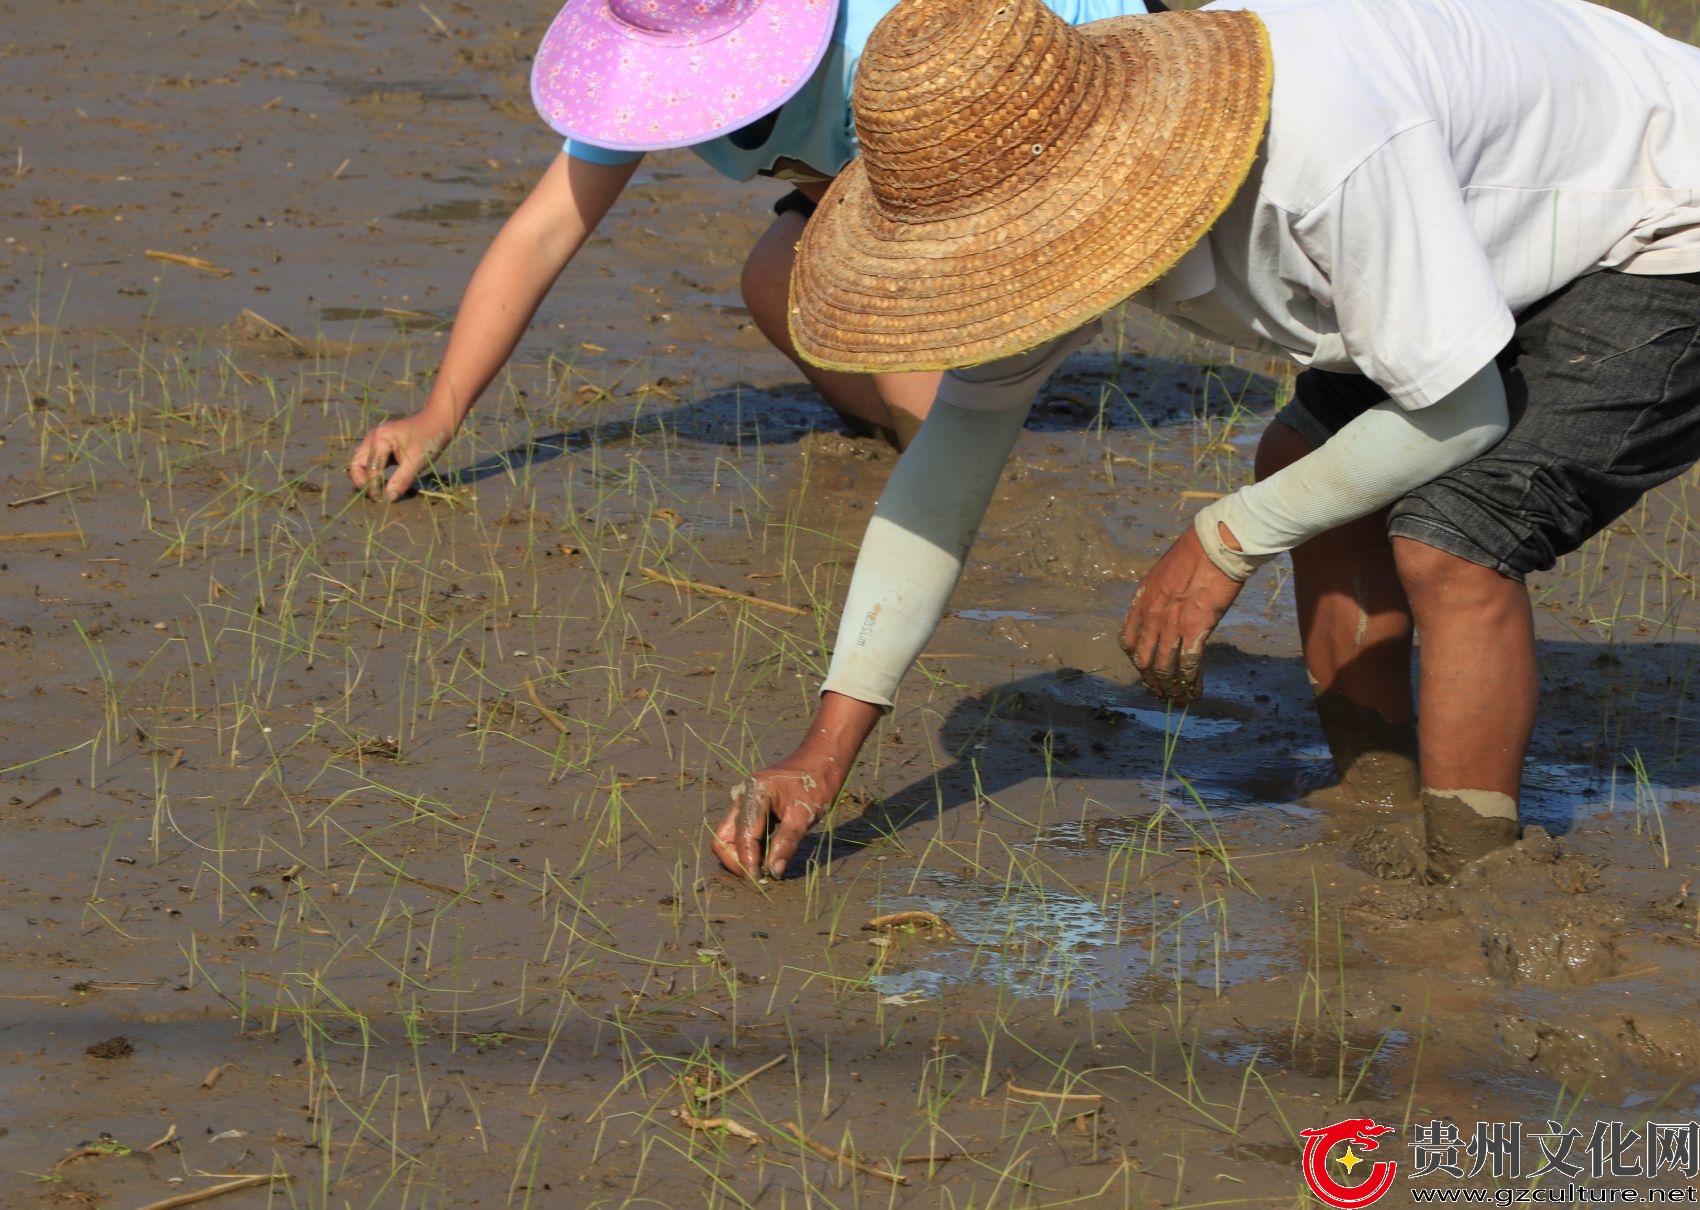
<point>368,846</point>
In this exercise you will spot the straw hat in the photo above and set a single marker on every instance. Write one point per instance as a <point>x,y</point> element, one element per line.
<point>1020,176</point>
<point>636,75</point>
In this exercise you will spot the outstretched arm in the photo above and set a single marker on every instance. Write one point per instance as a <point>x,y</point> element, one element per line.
<point>909,562</point>
<point>537,242</point>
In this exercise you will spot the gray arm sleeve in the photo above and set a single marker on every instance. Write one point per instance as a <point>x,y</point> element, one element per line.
<point>1368,464</point>
<point>928,515</point>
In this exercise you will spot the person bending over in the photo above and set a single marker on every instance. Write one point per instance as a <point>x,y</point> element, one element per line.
<point>1477,228</point>
<point>753,87</point>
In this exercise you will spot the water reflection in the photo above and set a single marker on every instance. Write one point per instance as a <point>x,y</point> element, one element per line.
<point>1042,943</point>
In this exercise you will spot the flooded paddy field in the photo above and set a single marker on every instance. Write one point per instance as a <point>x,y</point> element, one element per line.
<point>361,850</point>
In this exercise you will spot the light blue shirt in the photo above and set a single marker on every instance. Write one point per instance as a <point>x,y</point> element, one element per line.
<point>814,136</point>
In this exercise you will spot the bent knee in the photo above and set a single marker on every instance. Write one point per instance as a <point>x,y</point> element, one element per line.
<point>1432,575</point>
<point>763,290</point>
<point>765,283</point>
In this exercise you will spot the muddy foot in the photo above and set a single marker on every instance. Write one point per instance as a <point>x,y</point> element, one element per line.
<point>1347,797</point>
<point>1455,834</point>
<point>1376,759</point>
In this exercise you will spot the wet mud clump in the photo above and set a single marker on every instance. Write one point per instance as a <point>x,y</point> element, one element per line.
<point>118,1047</point>
<point>1572,950</point>
<point>1392,851</point>
<point>1611,1052</point>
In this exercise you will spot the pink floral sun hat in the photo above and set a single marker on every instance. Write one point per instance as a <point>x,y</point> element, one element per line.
<point>637,75</point>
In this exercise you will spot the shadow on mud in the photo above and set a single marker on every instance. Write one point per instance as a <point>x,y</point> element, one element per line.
<point>1093,391</point>
<point>1240,753</point>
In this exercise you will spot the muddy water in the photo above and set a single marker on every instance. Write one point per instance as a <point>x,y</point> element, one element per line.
<point>302,869</point>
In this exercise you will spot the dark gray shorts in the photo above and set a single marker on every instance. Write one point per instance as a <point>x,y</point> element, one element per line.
<point>1603,382</point>
<point>795,202</point>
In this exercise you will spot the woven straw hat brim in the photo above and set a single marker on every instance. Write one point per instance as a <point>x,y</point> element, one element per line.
<point>1137,174</point>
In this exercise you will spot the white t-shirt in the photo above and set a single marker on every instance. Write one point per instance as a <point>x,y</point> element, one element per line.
<point>1434,166</point>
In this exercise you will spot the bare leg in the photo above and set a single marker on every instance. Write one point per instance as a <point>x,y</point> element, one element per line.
<point>1355,627</point>
<point>893,403</point>
<point>1479,690</point>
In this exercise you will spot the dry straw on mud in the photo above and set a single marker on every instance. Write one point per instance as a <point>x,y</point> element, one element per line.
<point>1020,176</point>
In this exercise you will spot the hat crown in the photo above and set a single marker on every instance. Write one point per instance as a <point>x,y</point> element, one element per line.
<point>694,19</point>
<point>961,106</point>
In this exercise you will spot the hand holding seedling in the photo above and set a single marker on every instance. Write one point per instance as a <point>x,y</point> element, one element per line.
<point>409,445</point>
<point>792,796</point>
<point>1174,610</point>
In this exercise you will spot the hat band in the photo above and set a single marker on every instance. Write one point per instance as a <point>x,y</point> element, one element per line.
<point>671,23</point>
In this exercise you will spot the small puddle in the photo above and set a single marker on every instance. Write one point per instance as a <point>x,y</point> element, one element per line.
<point>1556,796</point>
<point>1055,945</point>
<point>1187,726</point>
<point>998,615</point>
<point>1362,1063</point>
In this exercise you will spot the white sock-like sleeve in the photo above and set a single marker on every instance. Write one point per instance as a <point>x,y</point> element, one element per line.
<point>1372,461</point>
<point>928,515</point>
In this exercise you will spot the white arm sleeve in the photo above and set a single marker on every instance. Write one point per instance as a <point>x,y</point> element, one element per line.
<point>1371,462</point>
<point>928,515</point>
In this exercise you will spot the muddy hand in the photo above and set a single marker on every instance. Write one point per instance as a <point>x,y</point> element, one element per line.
<point>1173,612</point>
<point>408,445</point>
<point>776,805</point>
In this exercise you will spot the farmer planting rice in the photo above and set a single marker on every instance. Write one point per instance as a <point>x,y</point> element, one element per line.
<point>1476,227</point>
<point>755,88</point>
